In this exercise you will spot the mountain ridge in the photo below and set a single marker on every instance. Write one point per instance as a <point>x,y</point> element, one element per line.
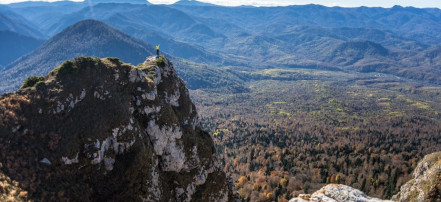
<point>15,45</point>
<point>10,21</point>
<point>89,37</point>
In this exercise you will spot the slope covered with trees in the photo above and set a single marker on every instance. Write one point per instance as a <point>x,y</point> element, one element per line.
<point>297,130</point>
<point>86,38</point>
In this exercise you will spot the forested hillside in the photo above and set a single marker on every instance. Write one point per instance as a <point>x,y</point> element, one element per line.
<point>86,38</point>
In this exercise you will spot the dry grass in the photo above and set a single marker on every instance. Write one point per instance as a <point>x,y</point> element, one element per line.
<point>9,106</point>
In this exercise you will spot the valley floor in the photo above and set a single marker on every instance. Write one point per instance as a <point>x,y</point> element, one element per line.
<point>297,130</point>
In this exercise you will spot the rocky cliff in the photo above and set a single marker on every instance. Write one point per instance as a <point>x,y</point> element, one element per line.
<point>101,130</point>
<point>336,192</point>
<point>425,186</point>
<point>426,182</point>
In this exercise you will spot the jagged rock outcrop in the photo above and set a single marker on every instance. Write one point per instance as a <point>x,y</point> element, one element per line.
<point>425,186</point>
<point>102,130</point>
<point>336,192</point>
<point>426,182</point>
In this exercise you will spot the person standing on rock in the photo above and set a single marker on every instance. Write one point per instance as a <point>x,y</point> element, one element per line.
<point>157,51</point>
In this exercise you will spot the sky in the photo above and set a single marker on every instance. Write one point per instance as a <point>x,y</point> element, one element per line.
<point>342,3</point>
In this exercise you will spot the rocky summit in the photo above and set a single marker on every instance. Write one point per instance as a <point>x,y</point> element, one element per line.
<point>102,130</point>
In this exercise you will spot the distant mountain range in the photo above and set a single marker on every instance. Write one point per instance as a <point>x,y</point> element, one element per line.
<point>11,21</point>
<point>86,38</point>
<point>192,3</point>
<point>399,41</point>
<point>14,45</point>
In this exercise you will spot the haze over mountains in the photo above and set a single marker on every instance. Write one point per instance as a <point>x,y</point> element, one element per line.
<point>92,38</point>
<point>310,36</point>
<point>15,45</point>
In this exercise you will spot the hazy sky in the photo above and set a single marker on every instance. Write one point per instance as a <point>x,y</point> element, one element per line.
<point>343,3</point>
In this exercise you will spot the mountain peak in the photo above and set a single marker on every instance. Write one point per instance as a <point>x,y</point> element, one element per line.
<point>192,3</point>
<point>87,37</point>
<point>366,47</point>
<point>87,25</point>
<point>122,1</point>
<point>349,53</point>
<point>100,129</point>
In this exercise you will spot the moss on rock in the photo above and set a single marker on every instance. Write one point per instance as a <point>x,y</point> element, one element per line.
<point>33,81</point>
